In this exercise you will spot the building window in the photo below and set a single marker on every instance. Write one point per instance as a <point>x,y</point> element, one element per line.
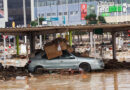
<point>60,13</point>
<point>76,12</point>
<point>73,12</point>
<point>53,14</point>
<point>42,14</point>
<point>48,14</point>
<point>65,13</point>
<point>48,3</point>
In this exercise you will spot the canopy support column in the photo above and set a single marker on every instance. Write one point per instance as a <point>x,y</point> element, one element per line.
<point>32,42</point>
<point>70,38</point>
<point>114,45</point>
<point>17,43</point>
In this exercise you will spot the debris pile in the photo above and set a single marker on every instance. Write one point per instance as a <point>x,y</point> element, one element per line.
<point>11,72</point>
<point>114,64</point>
<point>54,48</point>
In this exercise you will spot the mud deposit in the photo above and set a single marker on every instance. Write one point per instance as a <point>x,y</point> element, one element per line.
<point>104,80</point>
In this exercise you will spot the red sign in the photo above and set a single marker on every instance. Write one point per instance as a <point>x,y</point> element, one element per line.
<point>5,36</point>
<point>9,45</point>
<point>83,11</point>
<point>129,33</point>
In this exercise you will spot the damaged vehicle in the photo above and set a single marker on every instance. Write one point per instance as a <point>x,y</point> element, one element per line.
<point>66,61</point>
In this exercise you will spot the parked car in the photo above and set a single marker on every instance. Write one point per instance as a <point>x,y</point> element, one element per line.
<point>66,61</point>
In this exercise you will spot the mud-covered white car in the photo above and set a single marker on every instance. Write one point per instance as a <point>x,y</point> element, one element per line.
<point>66,61</point>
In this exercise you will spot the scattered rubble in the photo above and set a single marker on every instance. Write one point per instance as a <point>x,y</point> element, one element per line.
<point>114,64</point>
<point>12,72</point>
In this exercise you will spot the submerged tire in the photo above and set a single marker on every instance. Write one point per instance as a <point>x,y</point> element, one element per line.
<point>85,66</point>
<point>38,70</point>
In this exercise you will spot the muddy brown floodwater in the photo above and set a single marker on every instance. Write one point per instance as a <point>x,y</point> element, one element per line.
<point>105,80</point>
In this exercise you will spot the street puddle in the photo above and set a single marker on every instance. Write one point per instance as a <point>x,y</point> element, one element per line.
<point>107,80</point>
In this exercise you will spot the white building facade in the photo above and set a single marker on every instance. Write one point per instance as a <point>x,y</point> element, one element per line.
<point>69,12</point>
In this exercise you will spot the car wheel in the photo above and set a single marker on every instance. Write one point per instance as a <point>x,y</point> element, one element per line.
<point>85,66</point>
<point>38,70</point>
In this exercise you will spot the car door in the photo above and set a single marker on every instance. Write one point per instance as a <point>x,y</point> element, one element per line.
<point>51,64</point>
<point>68,61</point>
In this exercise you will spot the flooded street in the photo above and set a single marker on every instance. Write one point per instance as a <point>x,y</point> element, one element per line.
<point>106,80</point>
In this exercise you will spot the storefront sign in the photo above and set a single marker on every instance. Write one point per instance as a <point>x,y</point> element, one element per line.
<point>83,11</point>
<point>52,19</point>
<point>115,8</point>
<point>110,7</point>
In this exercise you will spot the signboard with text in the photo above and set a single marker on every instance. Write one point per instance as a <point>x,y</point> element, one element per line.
<point>83,11</point>
<point>52,19</point>
<point>106,8</point>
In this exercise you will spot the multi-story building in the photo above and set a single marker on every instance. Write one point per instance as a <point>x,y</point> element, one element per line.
<point>3,13</point>
<point>72,12</point>
<point>15,12</point>
<point>12,10</point>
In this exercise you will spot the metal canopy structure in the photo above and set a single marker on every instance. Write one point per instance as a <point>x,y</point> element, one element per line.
<point>60,29</point>
<point>32,31</point>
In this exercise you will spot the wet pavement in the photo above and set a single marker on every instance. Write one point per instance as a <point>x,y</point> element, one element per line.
<point>103,80</point>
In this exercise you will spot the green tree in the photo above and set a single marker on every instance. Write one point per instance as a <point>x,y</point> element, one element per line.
<point>101,19</point>
<point>91,19</point>
<point>41,19</point>
<point>34,23</point>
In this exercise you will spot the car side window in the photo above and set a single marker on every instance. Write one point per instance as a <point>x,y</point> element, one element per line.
<point>66,55</point>
<point>44,56</point>
<point>38,56</point>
